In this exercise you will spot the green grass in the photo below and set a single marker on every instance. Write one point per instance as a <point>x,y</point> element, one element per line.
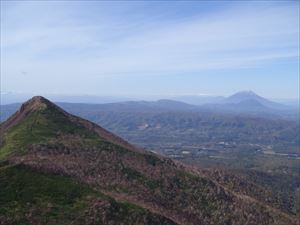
<point>39,127</point>
<point>47,197</point>
<point>28,195</point>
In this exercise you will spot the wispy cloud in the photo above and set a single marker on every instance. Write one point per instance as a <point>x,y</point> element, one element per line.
<point>103,40</point>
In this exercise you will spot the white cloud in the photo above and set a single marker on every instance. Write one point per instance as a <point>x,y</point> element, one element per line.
<point>52,42</point>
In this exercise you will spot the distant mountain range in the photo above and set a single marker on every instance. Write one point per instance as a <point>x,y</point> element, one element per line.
<point>160,124</point>
<point>250,103</point>
<point>251,98</point>
<point>235,98</point>
<point>11,97</point>
<point>241,118</point>
<point>245,102</point>
<point>57,168</point>
<point>198,99</point>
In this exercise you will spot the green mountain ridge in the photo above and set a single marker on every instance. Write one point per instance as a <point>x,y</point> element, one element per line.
<point>41,140</point>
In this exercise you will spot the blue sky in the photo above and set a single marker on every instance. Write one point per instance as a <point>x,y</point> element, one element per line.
<point>140,48</point>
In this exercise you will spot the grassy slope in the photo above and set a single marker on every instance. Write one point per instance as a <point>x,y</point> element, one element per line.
<point>31,197</point>
<point>39,127</point>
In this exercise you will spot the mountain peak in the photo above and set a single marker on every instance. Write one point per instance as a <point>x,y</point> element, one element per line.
<point>36,103</point>
<point>242,96</point>
<point>251,97</point>
<point>246,93</point>
<point>49,120</point>
<point>38,99</point>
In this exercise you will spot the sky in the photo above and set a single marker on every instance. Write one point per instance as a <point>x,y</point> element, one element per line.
<point>150,48</point>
